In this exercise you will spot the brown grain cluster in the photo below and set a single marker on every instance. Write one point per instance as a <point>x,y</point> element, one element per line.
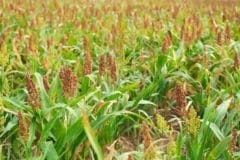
<point>214,25</point>
<point>180,96</point>
<point>102,66</point>
<point>191,29</point>
<point>3,39</point>
<point>130,157</point>
<point>85,44</point>
<point>49,43</point>
<point>205,59</point>
<point>227,34</point>
<point>33,98</point>
<point>233,146</point>
<point>146,22</point>
<point>69,82</point>
<point>180,100</point>
<point>167,42</point>
<point>236,61</point>
<point>112,68</point>
<point>45,83</point>
<point>219,38</point>
<point>147,139</point>
<point>87,66</point>
<point>23,127</point>
<point>30,43</point>
<point>114,33</point>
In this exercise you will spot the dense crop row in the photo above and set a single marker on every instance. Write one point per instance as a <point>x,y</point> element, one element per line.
<point>148,79</point>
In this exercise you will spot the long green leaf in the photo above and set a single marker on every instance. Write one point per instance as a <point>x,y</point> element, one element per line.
<point>222,110</point>
<point>219,149</point>
<point>49,151</point>
<point>47,128</point>
<point>216,131</point>
<point>92,138</point>
<point>145,92</point>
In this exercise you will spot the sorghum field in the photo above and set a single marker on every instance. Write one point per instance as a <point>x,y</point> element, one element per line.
<point>119,79</point>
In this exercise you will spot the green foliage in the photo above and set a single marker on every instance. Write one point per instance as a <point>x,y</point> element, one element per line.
<point>150,46</point>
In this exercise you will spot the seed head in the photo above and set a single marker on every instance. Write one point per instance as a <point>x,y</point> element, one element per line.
<point>45,83</point>
<point>205,58</point>
<point>162,125</point>
<point>236,61</point>
<point>33,98</point>
<point>114,33</point>
<point>233,145</point>
<point>49,42</point>
<point>85,44</point>
<point>180,100</point>
<point>180,96</point>
<point>69,82</point>
<point>2,118</point>
<point>51,20</point>
<point>171,149</point>
<point>227,34</point>
<point>147,139</point>
<point>193,122</point>
<point>3,39</point>
<point>102,66</point>
<point>87,66</point>
<point>214,25</point>
<point>146,22</point>
<point>183,28</point>
<point>84,22</point>
<point>23,127</point>
<point>199,32</point>
<point>219,38</point>
<point>19,34</point>
<point>30,43</point>
<point>166,42</point>
<point>112,68</point>
<point>130,157</point>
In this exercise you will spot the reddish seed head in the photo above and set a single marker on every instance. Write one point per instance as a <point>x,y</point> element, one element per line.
<point>49,43</point>
<point>219,38</point>
<point>85,44</point>
<point>69,82</point>
<point>233,146</point>
<point>180,96</point>
<point>147,139</point>
<point>51,20</point>
<point>23,127</point>
<point>213,25</point>
<point>166,42</point>
<point>19,34</point>
<point>3,38</point>
<point>30,43</point>
<point>84,22</point>
<point>180,101</point>
<point>102,66</point>
<point>130,157</point>
<point>87,66</point>
<point>227,33</point>
<point>199,32</point>
<point>183,29</point>
<point>45,82</point>
<point>236,61</point>
<point>112,68</point>
<point>114,33</point>
<point>145,22</point>
<point>33,98</point>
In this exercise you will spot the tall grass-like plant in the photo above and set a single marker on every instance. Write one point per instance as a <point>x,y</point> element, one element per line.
<point>147,79</point>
